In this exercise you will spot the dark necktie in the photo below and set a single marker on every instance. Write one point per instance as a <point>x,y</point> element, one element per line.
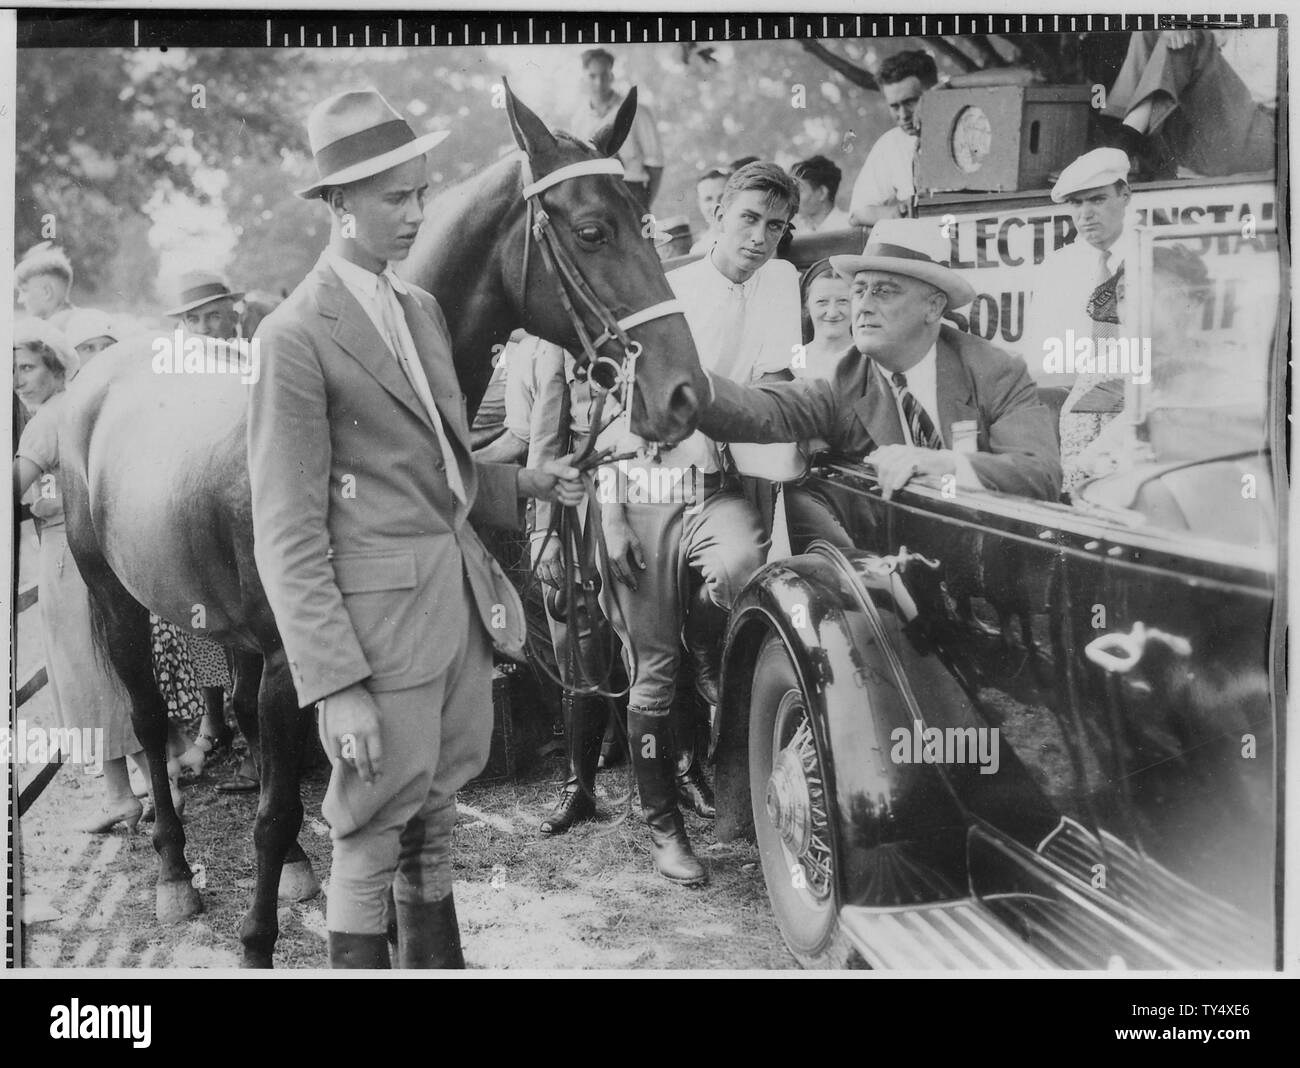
<point>918,419</point>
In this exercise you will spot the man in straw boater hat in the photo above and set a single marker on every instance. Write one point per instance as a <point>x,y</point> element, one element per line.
<point>387,603</point>
<point>915,396</point>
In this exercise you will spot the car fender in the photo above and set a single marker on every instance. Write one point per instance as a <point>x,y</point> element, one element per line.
<point>900,830</point>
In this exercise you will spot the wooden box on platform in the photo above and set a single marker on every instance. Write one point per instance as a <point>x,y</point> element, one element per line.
<point>999,138</point>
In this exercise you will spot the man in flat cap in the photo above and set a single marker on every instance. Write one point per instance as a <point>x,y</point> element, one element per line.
<point>913,395</point>
<point>362,486</point>
<point>1079,288</point>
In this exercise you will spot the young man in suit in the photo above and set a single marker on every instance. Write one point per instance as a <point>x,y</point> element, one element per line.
<point>909,379</point>
<point>362,484</point>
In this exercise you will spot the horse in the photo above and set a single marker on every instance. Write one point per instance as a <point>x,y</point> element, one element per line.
<point>156,486</point>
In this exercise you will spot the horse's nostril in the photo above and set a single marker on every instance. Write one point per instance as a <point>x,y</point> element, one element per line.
<point>683,403</point>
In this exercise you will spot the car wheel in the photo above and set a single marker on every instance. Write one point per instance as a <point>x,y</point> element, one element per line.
<point>791,814</point>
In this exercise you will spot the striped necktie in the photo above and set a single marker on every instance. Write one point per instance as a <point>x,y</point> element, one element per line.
<point>919,422</point>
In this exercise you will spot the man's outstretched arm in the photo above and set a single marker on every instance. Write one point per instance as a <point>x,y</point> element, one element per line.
<point>774,411</point>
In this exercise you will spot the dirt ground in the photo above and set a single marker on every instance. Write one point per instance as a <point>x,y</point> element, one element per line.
<point>586,900</point>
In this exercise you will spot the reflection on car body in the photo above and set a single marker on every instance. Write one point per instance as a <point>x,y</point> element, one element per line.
<point>1117,650</point>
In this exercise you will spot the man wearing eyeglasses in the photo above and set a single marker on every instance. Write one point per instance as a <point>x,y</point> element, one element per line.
<point>914,396</point>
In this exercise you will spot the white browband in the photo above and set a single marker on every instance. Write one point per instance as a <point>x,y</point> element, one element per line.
<point>573,170</point>
<point>655,311</point>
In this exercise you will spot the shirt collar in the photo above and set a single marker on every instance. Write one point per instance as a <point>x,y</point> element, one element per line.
<point>921,371</point>
<point>360,279</point>
<point>746,287</point>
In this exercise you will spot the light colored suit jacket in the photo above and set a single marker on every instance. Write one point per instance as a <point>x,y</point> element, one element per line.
<point>855,413</point>
<point>367,559</point>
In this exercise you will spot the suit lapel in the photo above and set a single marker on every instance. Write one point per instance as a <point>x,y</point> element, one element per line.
<point>877,410</point>
<point>357,336</point>
<point>435,355</point>
<point>953,390</point>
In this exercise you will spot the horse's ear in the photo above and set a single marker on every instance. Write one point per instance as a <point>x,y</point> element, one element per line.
<point>609,139</point>
<point>530,132</point>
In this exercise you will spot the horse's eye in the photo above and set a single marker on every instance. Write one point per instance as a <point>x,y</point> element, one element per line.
<point>590,235</point>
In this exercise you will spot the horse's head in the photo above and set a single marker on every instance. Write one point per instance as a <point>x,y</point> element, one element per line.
<point>581,264</point>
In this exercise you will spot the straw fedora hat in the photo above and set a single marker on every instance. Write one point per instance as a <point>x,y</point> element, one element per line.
<point>356,134</point>
<point>912,247</point>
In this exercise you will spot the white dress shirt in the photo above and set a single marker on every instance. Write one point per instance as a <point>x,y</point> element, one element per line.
<point>887,174</point>
<point>1062,284</point>
<point>923,384</point>
<point>835,219</point>
<point>640,150</point>
<point>741,330</point>
<point>365,286</point>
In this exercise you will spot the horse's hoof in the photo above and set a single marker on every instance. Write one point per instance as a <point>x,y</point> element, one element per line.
<point>177,901</point>
<point>298,882</point>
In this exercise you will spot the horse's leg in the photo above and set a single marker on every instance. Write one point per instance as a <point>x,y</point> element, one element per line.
<point>125,630</point>
<point>283,730</point>
<point>297,881</point>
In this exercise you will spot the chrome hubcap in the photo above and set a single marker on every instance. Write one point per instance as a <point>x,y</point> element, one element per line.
<point>795,798</point>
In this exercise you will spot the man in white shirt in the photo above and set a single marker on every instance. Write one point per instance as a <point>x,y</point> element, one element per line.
<point>886,185</point>
<point>743,310</point>
<point>1078,289</point>
<point>819,182</point>
<point>642,155</point>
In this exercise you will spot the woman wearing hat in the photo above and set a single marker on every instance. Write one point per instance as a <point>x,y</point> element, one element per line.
<point>86,693</point>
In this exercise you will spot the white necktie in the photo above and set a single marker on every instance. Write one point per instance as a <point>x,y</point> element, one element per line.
<point>731,331</point>
<point>398,341</point>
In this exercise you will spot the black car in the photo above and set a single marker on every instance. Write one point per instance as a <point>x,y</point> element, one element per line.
<point>977,731</point>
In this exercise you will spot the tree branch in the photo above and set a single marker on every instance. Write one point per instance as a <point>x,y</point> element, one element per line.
<point>942,44</point>
<point>857,75</point>
<point>985,50</point>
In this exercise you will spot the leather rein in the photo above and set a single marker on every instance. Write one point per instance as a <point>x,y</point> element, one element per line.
<point>582,544</point>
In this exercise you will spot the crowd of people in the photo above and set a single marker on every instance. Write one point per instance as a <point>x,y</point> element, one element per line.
<point>53,341</point>
<point>855,354</point>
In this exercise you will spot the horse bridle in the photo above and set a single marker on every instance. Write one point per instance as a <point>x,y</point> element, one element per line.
<point>571,284</point>
<point>581,543</point>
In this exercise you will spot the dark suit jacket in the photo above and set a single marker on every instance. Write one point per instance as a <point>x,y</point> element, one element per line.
<point>856,412</point>
<point>360,545</point>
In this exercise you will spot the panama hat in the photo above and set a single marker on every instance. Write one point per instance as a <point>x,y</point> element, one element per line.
<point>1101,166</point>
<point>356,134</point>
<point>199,288</point>
<point>912,247</point>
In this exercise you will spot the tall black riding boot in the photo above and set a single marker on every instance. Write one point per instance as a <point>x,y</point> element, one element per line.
<point>582,737</point>
<point>655,761</point>
<point>428,935</point>
<point>703,631</point>
<point>358,950</point>
<point>693,789</point>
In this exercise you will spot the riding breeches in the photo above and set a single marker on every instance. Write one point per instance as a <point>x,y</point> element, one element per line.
<point>722,539</point>
<point>397,831</point>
